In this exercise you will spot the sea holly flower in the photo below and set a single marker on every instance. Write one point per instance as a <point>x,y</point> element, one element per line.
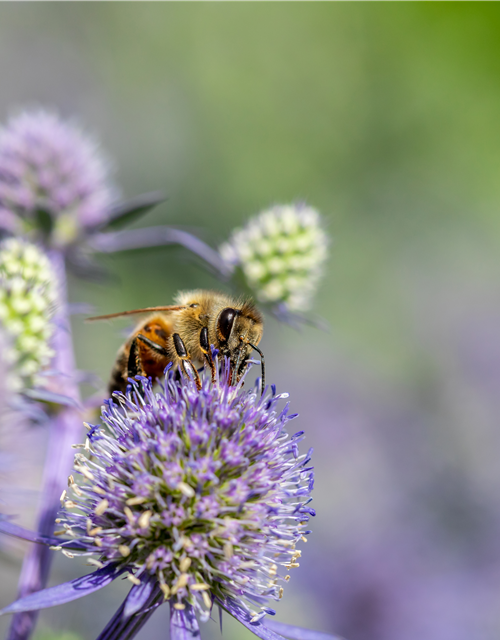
<point>280,254</point>
<point>198,497</point>
<point>28,300</point>
<point>56,189</point>
<point>54,179</point>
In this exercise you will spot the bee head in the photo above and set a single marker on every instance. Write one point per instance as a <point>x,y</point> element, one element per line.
<point>238,331</point>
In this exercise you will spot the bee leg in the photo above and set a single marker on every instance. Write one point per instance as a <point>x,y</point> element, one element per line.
<point>205,347</point>
<point>134,365</point>
<point>157,348</point>
<point>186,363</point>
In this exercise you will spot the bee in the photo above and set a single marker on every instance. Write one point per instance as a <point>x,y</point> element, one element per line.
<point>182,334</point>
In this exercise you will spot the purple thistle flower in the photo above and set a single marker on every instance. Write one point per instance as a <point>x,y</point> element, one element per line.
<point>55,188</point>
<point>140,494</point>
<point>50,166</point>
<point>198,497</point>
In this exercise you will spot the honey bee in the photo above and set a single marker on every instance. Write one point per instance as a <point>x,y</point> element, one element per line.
<point>182,334</point>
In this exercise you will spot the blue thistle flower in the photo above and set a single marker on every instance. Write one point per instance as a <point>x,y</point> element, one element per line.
<point>53,177</point>
<point>198,497</point>
<point>56,189</point>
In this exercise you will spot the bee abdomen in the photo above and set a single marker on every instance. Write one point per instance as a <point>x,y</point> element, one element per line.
<point>118,380</point>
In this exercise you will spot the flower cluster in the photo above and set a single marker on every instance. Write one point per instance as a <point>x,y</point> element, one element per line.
<point>281,253</point>
<point>28,299</point>
<point>203,490</point>
<point>54,182</point>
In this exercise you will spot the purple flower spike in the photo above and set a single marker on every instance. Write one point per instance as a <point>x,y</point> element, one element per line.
<point>202,489</point>
<point>197,496</point>
<point>53,177</point>
<point>183,624</point>
<point>65,592</point>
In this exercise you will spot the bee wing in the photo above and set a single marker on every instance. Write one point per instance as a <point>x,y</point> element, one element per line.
<point>133,311</point>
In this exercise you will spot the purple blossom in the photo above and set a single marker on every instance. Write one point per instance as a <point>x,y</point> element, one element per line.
<point>50,165</point>
<point>55,189</point>
<point>148,502</point>
<point>223,533</point>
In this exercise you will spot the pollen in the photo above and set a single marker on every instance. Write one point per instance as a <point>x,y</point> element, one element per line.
<point>134,501</point>
<point>130,515</point>
<point>186,489</point>
<point>101,507</point>
<point>185,564</point>
<point>165,590</point>
<point>95,531</point>
<point>206,600</point>
<point>85,472</point>
<point>144,519</point>
<point>200,586</point>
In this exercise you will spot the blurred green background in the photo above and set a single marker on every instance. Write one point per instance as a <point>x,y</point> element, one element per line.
<point>385,117</point>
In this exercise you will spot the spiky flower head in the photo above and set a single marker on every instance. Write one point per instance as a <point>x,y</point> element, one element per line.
<point>203,490</point>
<point>54,181</point>
<point>28,300</point>
<point>281,253</point>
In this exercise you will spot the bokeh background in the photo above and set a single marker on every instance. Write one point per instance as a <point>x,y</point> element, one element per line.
<point>386,118</point>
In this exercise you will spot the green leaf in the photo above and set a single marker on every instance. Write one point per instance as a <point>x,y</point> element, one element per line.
<point>130,211</point>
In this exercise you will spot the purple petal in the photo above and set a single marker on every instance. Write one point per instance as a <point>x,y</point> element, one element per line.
<point>139,595</point>
<point>15,530</point>
<point>158,236</point>
<point>11,529</point>
<point>65,592</point>
<point>125,627</point>
<point>183,624</point>
<point>298,633</point>
<point>258,628</point>
<point>43,395</point>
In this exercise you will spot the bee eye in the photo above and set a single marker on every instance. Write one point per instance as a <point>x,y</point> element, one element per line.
<point>225,322</point>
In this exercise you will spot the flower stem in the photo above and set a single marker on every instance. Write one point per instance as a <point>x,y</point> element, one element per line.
<point>64,431</point>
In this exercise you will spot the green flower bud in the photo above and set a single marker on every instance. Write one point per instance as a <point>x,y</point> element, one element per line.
<point>28,299</point>
<point>281,253</point>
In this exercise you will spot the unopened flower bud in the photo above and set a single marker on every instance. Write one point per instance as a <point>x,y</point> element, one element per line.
<point>28,299</point>
<point>281,253</point>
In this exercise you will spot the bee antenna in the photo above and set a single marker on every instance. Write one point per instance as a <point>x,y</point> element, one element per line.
<point>262,366</point>
<point>120,314</point>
